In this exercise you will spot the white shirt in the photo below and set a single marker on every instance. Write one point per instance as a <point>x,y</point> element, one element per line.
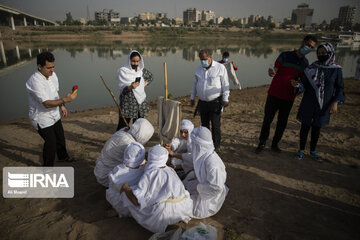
<point>211,83</point>
<point>40,90</point>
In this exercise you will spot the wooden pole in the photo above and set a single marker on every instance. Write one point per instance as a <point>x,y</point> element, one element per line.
<point>165,78</point>
<point>116,102</point>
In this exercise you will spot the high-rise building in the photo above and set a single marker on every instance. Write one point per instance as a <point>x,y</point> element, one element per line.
<point>109,16</point>
<point>190,16</point>
<point>207,15</point>
<point>302,15</point>
<point>347,16</point>
<point>147,16</point>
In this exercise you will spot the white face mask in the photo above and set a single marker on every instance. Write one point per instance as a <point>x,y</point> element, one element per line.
<point>205,63</point>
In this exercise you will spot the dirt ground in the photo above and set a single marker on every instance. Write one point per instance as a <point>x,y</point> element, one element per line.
<point>272,196</point>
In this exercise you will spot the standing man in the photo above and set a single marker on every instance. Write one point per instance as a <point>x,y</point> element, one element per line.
<point>281,94</point>
<point>44,103</point>
<point>211,84</point>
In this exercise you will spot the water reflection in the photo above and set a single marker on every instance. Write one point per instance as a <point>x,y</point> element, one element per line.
<point>81,63</point>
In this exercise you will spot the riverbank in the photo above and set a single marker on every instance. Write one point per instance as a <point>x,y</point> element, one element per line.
<point>272,196</point>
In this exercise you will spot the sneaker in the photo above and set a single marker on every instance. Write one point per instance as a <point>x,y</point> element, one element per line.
<point>259,148</point>
<point>275,149</point>
<point>315,156</point>
<point>68,159</point>
<point>300,155</point>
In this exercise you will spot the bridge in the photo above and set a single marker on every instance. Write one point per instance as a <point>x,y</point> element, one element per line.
<point>12,17</point>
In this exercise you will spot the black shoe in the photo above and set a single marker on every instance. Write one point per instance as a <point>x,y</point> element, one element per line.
<point>68,159</point>
<point>275,149</point>
<point>259,148</point>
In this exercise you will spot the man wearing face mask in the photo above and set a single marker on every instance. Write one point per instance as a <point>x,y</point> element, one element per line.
<point>281,94</point>
<point>211,84</point>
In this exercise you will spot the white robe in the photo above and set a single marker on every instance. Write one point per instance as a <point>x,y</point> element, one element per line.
<point>112,153</point>
<point>163,200</point>
<point>117,177</point>
<point>211,187</point>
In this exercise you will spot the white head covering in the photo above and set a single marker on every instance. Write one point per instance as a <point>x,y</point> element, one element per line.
<point>202,147</point>
<point>189,126</point>
<point>126,75</point>
<point>141,130</point>
<point>134,155</point>
<point>157,157</point>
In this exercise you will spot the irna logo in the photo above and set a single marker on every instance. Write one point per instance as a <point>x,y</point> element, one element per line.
<point>33,180</point>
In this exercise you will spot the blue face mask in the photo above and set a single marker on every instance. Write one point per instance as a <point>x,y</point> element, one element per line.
<point>205,63</point>
<point>305,50</point>
<point>226,59</point>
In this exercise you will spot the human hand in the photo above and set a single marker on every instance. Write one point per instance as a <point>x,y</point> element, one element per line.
<point>134,85</point>
<point>70,97</point>
<point>225,104</point>
<point>192,103</point>
<point>333,108</point>
<point>167,146</point>
<point>295,83</point>
<point>63,111</point>
<point>271,72</point>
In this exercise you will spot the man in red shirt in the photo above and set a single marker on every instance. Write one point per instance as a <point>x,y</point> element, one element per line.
<point>281,94</point>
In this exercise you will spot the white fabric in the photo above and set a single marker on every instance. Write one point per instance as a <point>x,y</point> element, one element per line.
<point>112,153</point>
<point>134,155</point>
<point>157,157</point>
<point>232,74</point>
<point>117,177</point>
<point>210,174</point>
<point>169,117</point>
<point>210,83</point>
<point>156,187</point>
<point>126,75</point>
<point>39,90</point>
<point>181,145</point>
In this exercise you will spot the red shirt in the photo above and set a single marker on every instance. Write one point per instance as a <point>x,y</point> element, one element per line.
<point>288,63</point>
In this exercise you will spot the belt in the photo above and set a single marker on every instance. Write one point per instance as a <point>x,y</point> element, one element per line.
<point>175,200</point>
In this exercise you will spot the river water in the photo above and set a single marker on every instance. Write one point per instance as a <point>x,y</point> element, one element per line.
<point>81,64</point>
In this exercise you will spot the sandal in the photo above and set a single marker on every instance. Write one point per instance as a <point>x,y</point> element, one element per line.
<point>315,156</point>
<point>300,154</point>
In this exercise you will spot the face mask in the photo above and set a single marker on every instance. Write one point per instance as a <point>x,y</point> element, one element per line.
<point>323,58</point>
<point>305,50</point>
<point>133,66</point>
<point>205,63</point>
<point>226,59</point>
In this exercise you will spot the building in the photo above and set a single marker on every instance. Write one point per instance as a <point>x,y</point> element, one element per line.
<point>302,15</point>
<point>178,21</point>
<point>190,16</point>
<point>147,16</point>
<point>253,18</point>
<point>161,15</point>
<point>219,20</point>
<point>347,16</point>
<point>245,21</point>
<point>109,16</point>
<point>125,20</point>
<point>207,15</point>
<point>198,16</point>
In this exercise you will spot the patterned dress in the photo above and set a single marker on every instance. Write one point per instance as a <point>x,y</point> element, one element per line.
<point>130,107</point>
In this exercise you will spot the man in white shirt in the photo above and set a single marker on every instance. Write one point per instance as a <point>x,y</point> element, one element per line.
<point>44,102</point>
<point>211,84</point>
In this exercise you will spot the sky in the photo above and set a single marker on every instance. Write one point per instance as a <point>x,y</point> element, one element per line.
<point>279,9</point>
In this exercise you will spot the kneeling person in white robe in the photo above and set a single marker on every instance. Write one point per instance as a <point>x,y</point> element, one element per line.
<point>207,183</point>
<point>180,148</point>
<point>130,171</point>
<point>112,153</point>
<point>160,198</point>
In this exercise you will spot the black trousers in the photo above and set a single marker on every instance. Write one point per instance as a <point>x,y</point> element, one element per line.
<point>315,134</point>
<point>211,112</point>
<point>122,124</point>
<point>54,143</point>
<point>273,105</point>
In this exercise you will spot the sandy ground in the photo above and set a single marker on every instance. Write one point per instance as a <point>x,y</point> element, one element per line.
<point>272,196</point>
